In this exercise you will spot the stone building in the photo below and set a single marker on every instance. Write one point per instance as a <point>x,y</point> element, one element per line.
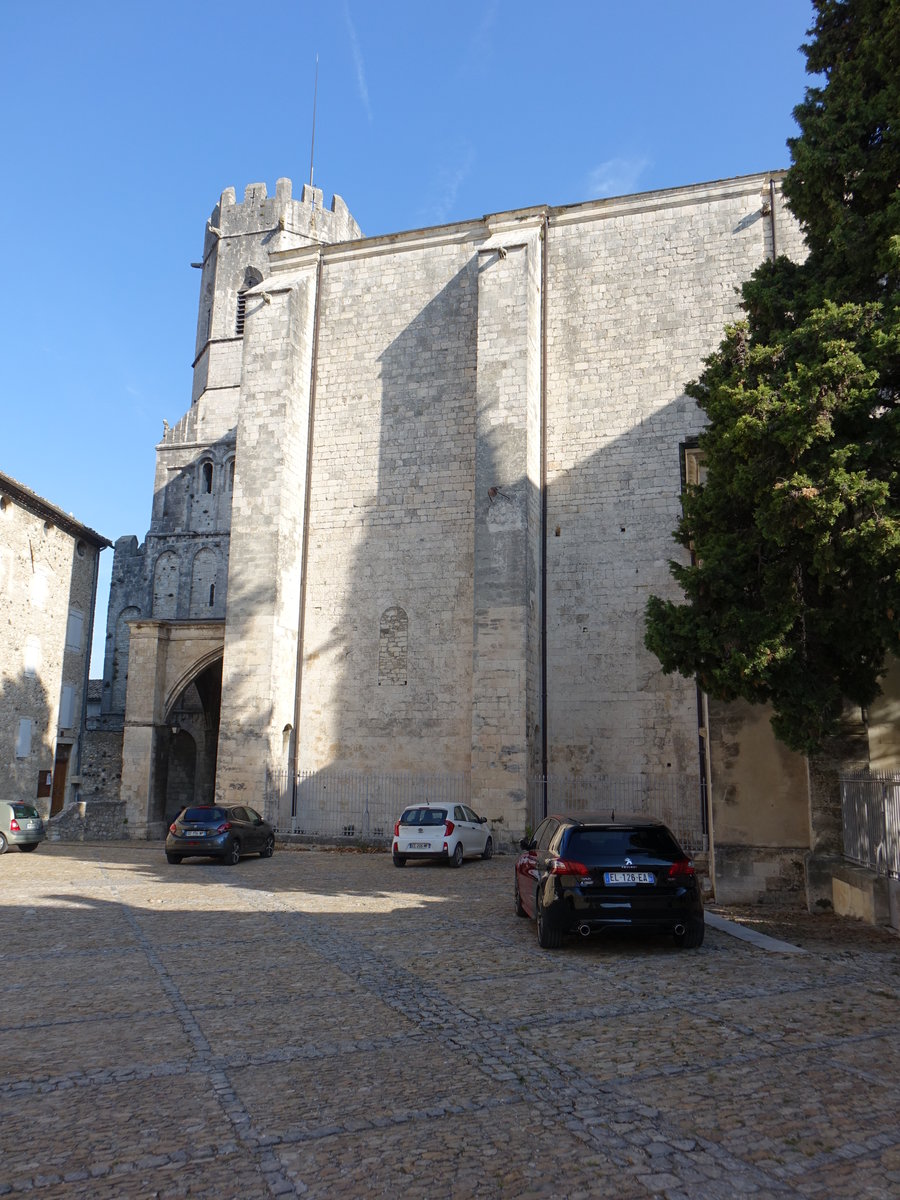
<point>412,516</point>
<point>48,591</point>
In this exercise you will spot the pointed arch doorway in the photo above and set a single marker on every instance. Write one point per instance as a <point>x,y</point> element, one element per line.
<point>190,744</point>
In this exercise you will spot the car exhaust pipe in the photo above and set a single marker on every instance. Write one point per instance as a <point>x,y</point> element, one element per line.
<point>679,930</point>
<point>584,929</point>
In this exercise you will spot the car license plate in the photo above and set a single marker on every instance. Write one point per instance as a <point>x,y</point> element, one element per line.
<point>628,877</point>
<point>195,833</point>
<point>420,845</point>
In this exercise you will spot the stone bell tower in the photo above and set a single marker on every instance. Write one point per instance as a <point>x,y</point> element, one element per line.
<point>169,595</point>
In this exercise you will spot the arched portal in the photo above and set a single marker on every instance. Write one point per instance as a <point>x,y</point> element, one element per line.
<point>181,775</point>
<point>187,746</point>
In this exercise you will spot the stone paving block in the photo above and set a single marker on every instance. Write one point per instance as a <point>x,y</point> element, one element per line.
<point>409,1077</point>
<point>357,1034</point>
<point>59,980</point>
<point>212,1178</point>
<point>788,1112</point>
<point>92,1044</point>
<point>344,1016</point>
<point>615,1046</point>
<point>877,1059</point>
<point>95,1126</point>
<point>92,926</point>
<point>878,1174</point>
<point>812,1014</point>
<point>496,1153</point>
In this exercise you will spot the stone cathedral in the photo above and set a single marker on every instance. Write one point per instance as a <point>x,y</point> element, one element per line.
<point>411,517</point>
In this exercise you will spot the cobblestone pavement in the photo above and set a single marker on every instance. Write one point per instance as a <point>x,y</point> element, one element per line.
<point>324,1025</point>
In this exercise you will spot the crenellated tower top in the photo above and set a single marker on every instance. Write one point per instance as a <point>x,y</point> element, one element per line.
<point>236,247</point>
<point>306,219</point>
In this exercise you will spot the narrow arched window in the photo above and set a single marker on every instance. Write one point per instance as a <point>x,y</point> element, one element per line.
<point>212,595</point>
<point>206,477</point>
<point>251,278</point>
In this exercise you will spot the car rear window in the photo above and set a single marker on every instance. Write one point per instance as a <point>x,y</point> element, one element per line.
<point>203,814</point>
<point>424,816</point>
<point>25,810</point>
<point>645,843</point>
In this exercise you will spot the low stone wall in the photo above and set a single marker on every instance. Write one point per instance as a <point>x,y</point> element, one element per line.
<point>859,892</point>
<point>93,819</point>
<point>759,874</point>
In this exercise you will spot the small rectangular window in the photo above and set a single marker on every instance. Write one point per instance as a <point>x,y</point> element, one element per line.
<point>32,655</point>
<point>74,629</point>
<point>67,706</point>
<point>23,740</point>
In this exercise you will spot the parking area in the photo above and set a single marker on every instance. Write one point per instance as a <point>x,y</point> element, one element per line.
<point>326,1025</point>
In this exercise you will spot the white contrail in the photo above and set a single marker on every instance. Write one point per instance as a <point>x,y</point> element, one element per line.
<point>358,62</point>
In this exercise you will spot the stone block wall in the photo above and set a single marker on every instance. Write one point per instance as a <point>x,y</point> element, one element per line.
<point>101,765</point>
<point>48,566</point>
<point>391,511</point>
<point>640,290</point>
<point>259,672</point>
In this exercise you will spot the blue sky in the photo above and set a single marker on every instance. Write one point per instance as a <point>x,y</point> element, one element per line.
<point>123,122</point>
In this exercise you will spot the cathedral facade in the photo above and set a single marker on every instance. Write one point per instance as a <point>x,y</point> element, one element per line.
<point>412,516</point>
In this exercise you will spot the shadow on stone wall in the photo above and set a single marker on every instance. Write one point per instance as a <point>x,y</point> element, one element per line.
<point>24,698</point>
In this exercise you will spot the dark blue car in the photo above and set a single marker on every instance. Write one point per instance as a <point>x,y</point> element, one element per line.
<point>224,831</point>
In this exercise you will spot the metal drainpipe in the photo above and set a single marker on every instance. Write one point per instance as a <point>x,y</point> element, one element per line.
<point>772,215</point>
<point>543,567</point>
<point>304,554</point>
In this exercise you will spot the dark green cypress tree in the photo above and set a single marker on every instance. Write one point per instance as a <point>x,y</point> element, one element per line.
<point>793,594</point>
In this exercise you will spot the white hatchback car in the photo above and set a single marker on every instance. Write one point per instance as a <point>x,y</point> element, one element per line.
<point>450,832</point>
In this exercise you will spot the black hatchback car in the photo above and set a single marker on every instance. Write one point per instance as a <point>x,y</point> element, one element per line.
<point>223,831</point>
<point>588,873</point>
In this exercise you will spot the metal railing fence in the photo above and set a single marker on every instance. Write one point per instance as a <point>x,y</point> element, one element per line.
<point>676,799</point>
<point>358,806</point>
<point>870,811</point>
<point>353,805</point>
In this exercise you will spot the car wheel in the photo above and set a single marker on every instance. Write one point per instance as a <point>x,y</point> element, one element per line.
<point>4,844</point>
<point>692,936</point>
<point>549,936</point>
<point>232,855</point>
<point>269,848</point>
<point>174,859</point>
<point>26,846</point>
<point>399,860</point>
<point>488,851</point>
<point>456,858</point>
<point>520,908</point>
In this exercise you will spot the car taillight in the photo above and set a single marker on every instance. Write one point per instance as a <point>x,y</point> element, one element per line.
<point>448,828</point>
<point>683,869</point>
<point>566,866</point>
<point>172,828</point>
<point>224,827</point>
<point>396,829</point>
<point>14,826</point>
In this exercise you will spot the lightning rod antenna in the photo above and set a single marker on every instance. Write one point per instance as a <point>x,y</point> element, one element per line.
<point>312,150</point>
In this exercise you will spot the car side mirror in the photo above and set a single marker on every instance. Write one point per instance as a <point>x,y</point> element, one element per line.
<point>525,844</point>
<point>482,820</point>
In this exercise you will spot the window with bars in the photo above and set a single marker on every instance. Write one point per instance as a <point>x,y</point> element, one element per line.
<point>241,313</point>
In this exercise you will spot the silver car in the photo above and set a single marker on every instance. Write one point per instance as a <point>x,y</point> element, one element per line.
<point>20,825</point>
